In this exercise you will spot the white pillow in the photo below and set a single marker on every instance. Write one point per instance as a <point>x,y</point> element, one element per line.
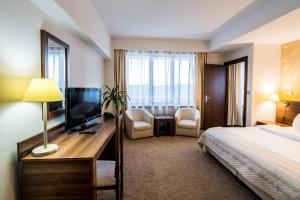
<point>296,123</point>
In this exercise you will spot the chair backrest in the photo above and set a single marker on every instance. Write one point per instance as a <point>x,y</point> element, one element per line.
<point>187,113</point>
<point>136,113</point>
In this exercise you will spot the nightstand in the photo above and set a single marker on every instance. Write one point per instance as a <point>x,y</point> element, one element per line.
<point>270,123</point>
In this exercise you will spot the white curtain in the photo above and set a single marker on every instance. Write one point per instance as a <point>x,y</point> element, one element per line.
<point>236,79</point>
<point>160,79</point>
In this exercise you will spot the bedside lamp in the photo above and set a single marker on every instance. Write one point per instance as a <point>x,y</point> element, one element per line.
<point>43,90</point>
<point>274,97</point>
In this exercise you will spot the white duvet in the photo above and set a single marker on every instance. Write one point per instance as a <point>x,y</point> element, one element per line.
<point>267,156</point>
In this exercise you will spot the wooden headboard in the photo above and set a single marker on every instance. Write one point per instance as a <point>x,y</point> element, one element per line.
<point>286,114</point>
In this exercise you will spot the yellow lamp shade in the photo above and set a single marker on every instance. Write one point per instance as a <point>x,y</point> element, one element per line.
<point>274,97</point>
<point>43,90</point>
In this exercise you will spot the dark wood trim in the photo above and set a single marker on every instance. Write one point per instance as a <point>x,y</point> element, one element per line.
<point>25,147</point>
<point>44,63</point>
<point>235,61</point>
<point>245,58</point>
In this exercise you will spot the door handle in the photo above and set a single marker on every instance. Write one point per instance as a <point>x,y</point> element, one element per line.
<point>206,98</point>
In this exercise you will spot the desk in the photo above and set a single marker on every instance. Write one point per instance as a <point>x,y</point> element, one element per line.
<point>69,173</point>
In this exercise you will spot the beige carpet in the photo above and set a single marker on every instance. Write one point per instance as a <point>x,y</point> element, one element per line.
<point>174,168</point>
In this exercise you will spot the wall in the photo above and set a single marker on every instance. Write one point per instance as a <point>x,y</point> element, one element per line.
<point>266,79</point>
<point>149,44</point>
<point>85,14</point>
<point>263,79</point>
<point>238,53</point>
<point>290,71</point>
<point>20,24</point>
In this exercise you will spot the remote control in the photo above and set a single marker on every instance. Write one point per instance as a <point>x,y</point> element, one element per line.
<point>87,132</point>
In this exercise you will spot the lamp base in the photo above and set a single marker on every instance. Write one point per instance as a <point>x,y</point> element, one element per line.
<point>42,151</point>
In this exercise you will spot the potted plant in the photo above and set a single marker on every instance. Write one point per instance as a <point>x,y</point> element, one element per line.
<point>116,97</point>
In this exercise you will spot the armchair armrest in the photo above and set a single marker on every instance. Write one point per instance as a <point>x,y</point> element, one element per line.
<point>148,117</point>
<point>129,120</point>
<point>197,119</point>
<point>177,116</point>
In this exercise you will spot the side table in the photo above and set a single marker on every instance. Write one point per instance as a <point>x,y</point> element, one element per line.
<point>164,125</point>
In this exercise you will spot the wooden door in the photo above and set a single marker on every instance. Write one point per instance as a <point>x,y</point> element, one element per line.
<point>214,96</point>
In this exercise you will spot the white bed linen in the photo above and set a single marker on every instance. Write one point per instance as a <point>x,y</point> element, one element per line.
<point>268,160</point>
<point>287,132</point>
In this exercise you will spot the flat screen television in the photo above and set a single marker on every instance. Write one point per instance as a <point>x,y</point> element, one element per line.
<point>83,105</point>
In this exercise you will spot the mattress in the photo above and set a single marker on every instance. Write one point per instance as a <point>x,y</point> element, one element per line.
<point>267,156</point>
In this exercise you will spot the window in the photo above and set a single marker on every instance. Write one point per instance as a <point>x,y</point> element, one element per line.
<point>160,78</point>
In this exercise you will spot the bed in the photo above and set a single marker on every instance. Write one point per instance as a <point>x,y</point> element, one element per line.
<point>266,157</point>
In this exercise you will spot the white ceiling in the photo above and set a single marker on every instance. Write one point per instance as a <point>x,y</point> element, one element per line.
<point>182,19</point>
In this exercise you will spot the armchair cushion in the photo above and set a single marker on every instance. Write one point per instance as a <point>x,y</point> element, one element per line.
<point>141,125</point>
<point>186,123</point>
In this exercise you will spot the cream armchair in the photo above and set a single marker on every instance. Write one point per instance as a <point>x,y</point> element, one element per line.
<point>187,122</point>
<point>139,123</point>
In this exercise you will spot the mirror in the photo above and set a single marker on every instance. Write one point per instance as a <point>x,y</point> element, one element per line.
<point>54,54</point>
<point>236,92</point>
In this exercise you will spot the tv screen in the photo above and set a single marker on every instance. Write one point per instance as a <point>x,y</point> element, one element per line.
<point>83,105</point>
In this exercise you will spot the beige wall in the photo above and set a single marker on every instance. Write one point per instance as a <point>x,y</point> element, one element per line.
<point>266,79</point>
<point>290,71</point>
<point>20,24</point>
<point>152,44</point>
<point>263,79</point>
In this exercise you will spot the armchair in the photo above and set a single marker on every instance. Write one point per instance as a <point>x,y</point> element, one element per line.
<point>139,123</point>
<point>187,122</point>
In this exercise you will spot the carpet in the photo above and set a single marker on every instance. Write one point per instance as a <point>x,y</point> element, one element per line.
<point>174,168</point>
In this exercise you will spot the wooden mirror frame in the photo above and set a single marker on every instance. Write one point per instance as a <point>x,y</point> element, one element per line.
<point>45,36</point>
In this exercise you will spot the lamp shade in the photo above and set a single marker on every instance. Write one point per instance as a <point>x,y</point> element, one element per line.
<point>43,90</point>
<point>274,97</point>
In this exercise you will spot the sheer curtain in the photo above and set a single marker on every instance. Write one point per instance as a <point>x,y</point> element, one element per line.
<point>56,63</point>
<point>160,79</point>
<point>236,78</point>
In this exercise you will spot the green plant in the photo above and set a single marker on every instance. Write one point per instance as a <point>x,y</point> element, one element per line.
<point>116,97</point>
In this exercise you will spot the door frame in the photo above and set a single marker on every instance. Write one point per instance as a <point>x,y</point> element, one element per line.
<point>235,61</point>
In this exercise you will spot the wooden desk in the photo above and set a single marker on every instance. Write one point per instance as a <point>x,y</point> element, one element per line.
<point>69,173</point>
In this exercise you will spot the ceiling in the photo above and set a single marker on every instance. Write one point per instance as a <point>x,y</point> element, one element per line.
<point>279,31</point>
<point>181,19</point>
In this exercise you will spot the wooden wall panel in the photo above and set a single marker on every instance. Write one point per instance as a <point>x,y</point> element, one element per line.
<point>286,114</point>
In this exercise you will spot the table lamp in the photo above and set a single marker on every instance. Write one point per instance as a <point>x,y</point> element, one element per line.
<point>43,90</point>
